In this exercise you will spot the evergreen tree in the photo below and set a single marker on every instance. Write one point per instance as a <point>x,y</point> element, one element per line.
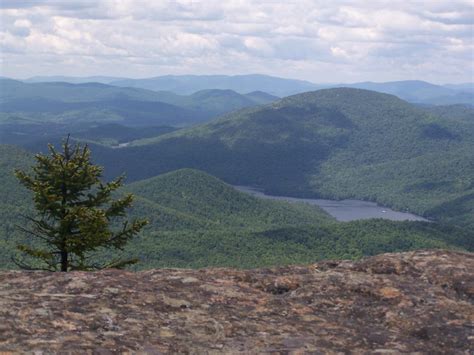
<point>75,211</point>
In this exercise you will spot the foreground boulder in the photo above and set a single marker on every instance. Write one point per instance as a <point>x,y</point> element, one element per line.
<point>414,301</point>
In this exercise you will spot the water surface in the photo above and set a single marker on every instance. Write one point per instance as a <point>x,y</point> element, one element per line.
<point>343,210</point>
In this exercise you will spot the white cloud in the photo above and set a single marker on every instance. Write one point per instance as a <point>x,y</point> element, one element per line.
<point>343,40</point>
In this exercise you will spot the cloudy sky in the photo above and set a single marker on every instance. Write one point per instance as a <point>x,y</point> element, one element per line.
<point>316,40</point>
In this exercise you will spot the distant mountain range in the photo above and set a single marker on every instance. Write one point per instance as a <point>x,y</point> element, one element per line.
<point>422,92</point>
<point>73,79</point>
<point>187,84</point>
<point>411,90</point>
<point>61,102</point>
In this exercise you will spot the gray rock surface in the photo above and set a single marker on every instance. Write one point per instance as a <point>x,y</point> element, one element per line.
<point>408,302</point>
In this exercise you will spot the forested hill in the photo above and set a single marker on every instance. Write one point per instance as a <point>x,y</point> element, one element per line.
<point>212,203</point>
<point>336,143</point>
<point>196,220</point>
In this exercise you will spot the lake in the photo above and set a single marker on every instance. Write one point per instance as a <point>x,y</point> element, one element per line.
<point>343,210</point>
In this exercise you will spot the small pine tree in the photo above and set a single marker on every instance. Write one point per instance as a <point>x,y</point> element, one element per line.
<point>75,210</point>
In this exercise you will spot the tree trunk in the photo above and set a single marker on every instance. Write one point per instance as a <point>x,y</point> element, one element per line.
<point>64,261</point>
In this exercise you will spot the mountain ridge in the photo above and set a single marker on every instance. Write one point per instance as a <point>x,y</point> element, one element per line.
<point>89,103</point>
<point>319,143</point>
<point>418,91</point>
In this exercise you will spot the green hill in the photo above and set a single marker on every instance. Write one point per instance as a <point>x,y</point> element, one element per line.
<point>197,220</point>
<point>220,101</point>
<point>334,143</point>
<point>209,199</point>
<point>235,229</point>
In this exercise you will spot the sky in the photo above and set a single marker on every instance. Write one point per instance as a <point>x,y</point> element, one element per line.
<point>317,40</point>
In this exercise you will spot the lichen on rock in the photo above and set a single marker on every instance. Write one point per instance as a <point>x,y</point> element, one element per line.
<point>418,301</point>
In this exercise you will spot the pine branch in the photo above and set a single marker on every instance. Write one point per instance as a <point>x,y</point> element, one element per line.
<point>27,267</point>
<point>32,233</point>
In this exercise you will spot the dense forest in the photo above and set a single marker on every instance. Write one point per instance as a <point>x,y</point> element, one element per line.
<point>335,143</point>
<point>197,220</point>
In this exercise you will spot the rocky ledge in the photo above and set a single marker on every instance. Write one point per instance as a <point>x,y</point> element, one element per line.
<point>415,301</point>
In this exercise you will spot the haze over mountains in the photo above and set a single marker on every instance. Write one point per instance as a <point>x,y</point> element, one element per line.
<point>44,109</point>
<point>411,90</point>
<point>59,98</point>
<point>78,105</point>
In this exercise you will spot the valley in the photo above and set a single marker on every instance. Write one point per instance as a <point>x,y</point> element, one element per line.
<point>329,144</point>
<point>197,220</point>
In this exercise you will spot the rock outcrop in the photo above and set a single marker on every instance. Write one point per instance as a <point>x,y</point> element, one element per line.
<point>414,301</point>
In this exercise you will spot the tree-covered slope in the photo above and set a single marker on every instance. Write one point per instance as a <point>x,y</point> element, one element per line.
<point>333,143</point>
<point>235,229</point>
<point>14,200</point>
<point>12,195</point>
<point>220,101</point>
<point>249,248</point>
<point>457,112</point>
<point>197,220</point>
<point>209,199</point>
